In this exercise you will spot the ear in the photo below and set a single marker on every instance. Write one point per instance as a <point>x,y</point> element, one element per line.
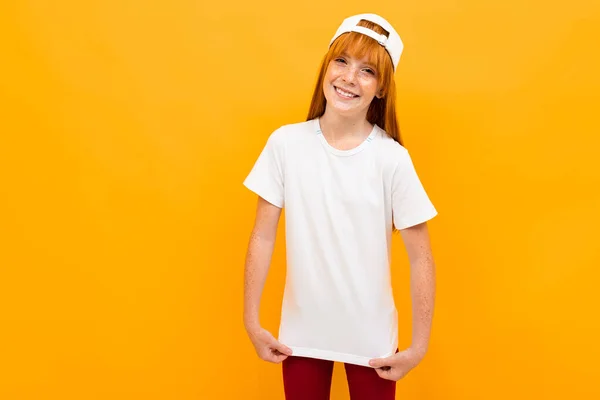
<point>379,94</point>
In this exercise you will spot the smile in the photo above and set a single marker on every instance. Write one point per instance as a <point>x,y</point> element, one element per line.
<point>345,94</point>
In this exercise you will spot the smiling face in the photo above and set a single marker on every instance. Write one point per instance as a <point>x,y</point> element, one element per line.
<point>358,64</point>
<point>350,84</point>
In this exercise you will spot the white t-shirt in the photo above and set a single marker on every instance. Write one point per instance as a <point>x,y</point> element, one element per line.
<point>340,206</point>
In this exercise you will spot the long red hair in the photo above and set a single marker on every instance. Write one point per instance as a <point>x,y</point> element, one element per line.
<point>382,111</point>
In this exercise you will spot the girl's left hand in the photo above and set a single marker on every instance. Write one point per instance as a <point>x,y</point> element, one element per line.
<point>397,366</point>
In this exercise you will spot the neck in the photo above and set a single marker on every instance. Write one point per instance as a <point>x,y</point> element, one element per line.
<point>339,126</point>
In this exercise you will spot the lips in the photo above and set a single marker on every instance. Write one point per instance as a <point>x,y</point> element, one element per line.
<point>343,93</point>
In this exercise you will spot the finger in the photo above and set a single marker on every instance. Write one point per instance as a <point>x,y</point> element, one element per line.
<point>387,373</point>
<point>268,355</point>
<point>379,362</point>
<point>277,345</point>
<point>279,358</point>
<point>384,373</point>
<point>275,356</point>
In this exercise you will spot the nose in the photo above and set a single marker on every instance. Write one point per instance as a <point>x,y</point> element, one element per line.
<point>350,75</point>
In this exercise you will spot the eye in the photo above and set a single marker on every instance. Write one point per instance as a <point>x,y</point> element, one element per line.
<point>370,71</point>
<point>340,59</point>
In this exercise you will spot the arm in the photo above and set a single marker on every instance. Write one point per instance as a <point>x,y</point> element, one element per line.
<point>422,284</point>
<point>258,260</point>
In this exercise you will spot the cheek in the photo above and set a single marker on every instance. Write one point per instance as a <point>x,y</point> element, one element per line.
<point>331,74</point>
<point>370,86</point>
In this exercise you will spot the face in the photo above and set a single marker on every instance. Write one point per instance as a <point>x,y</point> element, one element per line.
<point>350,85</point>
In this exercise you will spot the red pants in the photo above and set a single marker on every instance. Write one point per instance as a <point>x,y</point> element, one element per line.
<point>310,379</point>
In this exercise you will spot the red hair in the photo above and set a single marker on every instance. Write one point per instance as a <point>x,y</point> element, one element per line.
<point>382,111</point>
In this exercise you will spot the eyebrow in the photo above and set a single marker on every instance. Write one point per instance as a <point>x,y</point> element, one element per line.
<point>368,64</point>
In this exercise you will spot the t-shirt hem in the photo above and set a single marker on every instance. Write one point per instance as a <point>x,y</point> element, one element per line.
<point>262,193</point>
<point>407,223</point>
<point>334,356</point>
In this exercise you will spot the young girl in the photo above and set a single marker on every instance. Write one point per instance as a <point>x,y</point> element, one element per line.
<point>347,183</point>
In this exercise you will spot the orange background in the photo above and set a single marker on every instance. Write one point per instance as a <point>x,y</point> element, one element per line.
<point>127,128</point>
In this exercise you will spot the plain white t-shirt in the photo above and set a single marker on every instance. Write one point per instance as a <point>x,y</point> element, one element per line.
<point>339,209</point>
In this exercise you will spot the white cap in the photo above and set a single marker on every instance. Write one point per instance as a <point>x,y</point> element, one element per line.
<point>393,44</point>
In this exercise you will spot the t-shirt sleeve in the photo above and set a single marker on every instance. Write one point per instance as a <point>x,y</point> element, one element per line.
<point>266,176</point>
<point>410,203</point>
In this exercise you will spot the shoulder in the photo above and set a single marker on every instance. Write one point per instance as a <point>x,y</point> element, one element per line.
<point>296,128</point>
<point>389,149</point>
<point>291,132</point>
<point>395,158</point>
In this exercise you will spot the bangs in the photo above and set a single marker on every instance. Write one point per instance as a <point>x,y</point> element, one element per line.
<point>357,45</point>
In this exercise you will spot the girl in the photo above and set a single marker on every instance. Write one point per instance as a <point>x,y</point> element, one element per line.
<point>347,183</point>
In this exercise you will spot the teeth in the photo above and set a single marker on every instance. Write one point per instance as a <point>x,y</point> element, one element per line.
<point>345,94</point>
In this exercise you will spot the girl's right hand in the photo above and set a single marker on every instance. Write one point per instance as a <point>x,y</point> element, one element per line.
<point>267,347</point>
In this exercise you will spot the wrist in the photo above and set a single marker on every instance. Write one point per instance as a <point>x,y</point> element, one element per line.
<point>419,350</point>
<point>251,323</point>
